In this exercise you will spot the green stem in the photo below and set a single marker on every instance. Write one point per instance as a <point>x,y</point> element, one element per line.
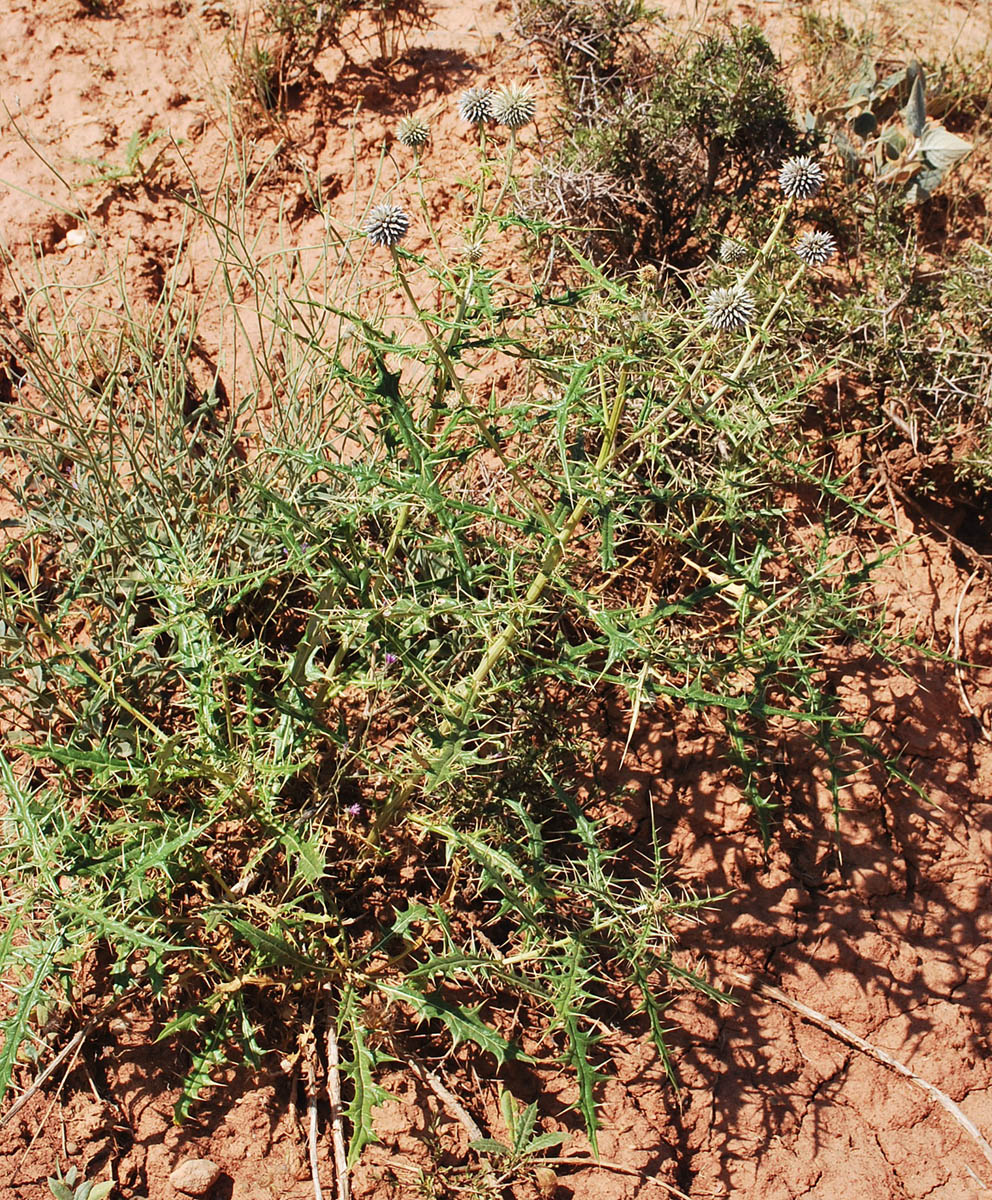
<point>505,640</point>
<point>483,179</point>
<point>422,197</point>
<point>444,358</point>
<point>508,177</point>
<point>555,550</point>
<point>106,685</point>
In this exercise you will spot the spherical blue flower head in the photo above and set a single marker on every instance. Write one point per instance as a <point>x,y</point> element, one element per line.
<point>386,225</point>
<point>475,105</point>
<point>801,177</point>
<point>730,307</point>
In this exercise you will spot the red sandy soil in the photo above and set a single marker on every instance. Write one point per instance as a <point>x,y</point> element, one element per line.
<point>884,926</point>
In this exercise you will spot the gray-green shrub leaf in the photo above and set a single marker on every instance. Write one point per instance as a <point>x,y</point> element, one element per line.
<point>893,144</point>
<point>915,112</point>
<point>864,124</point>
<point>941,148</point>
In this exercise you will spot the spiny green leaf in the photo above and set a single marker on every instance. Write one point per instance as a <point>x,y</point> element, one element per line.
<point>490,1146</point>
<point>208,1055</point>
<point>464,1024</point>
<point>16,1026</point>
<point>366,1093</point>
<point>580,1044</point>
<point>276,947</point>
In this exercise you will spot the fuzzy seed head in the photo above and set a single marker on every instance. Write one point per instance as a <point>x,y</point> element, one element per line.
<point>412,132</point>
<point>513,106</point>
<point>801,177</point>
<point>732,252</point>
<point>475,105</point>
<point>474,252</point>
<point>814,247</point>
<point>386,225</point>
<point>729,307</point>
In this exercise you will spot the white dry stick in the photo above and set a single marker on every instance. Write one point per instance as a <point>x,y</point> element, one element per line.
<point>312,1141</point>
<point>72,1049</point>
<point>461,1115</point>
<point>882,1056</point>
<point>334,1095</point>
<point>309,1049</point>
<point>52,1067</point>
<point>602,1164</point>
<point>471,1127</point>
<point>464,1118</point>
<point>957,658</point>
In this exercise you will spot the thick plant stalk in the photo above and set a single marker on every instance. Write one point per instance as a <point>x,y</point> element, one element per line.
<point>510,155</point>
<point>507,637</point>
<point>444,358</point>
<point>337,1117</point>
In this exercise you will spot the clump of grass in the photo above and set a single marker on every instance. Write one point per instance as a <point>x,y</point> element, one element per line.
<point>273,51</point>
<point>321,607</point>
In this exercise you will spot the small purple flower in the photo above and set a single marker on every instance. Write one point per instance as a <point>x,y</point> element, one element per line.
<point>390,659</point>
<point>354,810</point>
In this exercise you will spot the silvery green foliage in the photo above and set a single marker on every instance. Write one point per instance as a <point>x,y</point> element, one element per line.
<point>801,177</point>
<point>814,247</point>
<point>730,307</point>
<point>513,106</point>
<point>475,105</point>
<point>386,225</point>
<point>413,132</point>
<point>732,252</point>
<point>936,147</point>
<point>922,149</point>
<point>915,112</point>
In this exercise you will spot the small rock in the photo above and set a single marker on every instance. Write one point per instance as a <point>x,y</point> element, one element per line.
<point>195,1176</point>
<point>76,237</point>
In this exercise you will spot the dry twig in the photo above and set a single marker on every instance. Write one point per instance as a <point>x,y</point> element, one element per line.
<point>465,1119</point>
<point>471,1127</point>
<point>957,658</point>
<point>77,1046</point>
<point>310,1052</point>
<point>605,1165</point>
<point>334,1095</point>
<point>70,1049</point>
<point>882,1056</point>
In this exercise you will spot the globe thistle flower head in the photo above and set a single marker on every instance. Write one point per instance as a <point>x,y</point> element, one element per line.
<point>386,225</point>
<point>513,106</point>
<point>474,251</point>
<point>730,307</point>
<point>801,177</point>
<point>475,105</point>
<point>413,132</point>
<point>732,252</point>
<point>814,247</point>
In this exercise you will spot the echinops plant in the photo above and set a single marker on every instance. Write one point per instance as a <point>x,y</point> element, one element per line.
<point>318,733</point>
